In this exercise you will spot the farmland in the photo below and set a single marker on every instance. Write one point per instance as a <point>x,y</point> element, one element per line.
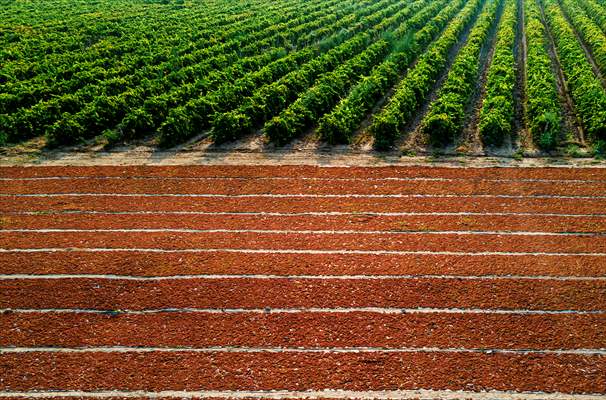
<point>286,282</point>
<point>505,77</point>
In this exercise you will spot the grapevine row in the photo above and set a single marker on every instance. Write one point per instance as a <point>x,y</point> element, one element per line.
<point>410,92</point>
<point>497,112</point>
<point>304,112</point>
<point>589,32</point>
<point>444,121</point>
<point>197,114</point>
<point>339,125</point>
<point>544,111</point>
<point>273,98</point>
<point>88,120</point>
<point>155,109</point>
<point>585,88</point>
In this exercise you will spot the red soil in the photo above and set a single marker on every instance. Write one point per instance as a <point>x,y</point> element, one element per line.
<point>464,369</point>
<point>356,329</point>
<point>298,204</point>
<point>248,171</point>
<point>358,222</point>
<point>295,186</point>
<point>103,294</point>
<point>297,371</point>
<point>321,242</point>
<point>154,264</point>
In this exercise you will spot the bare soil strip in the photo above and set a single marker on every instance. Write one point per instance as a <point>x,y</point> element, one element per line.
<point>352,222</point>
<point>162,264</point>
<point>418,394</point>
<point>248,293</point>
<point>291,371</point>
<point>317,282</point>
<point>434,242</point>
<point>302,204</point>
<point>295,186</point>
<point>249,171</point>
<point>317,330</point>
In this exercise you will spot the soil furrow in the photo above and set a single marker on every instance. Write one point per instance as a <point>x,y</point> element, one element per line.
<point>400,223</point>
<point>247,171</point>
<point>418,242</point>
<point>237,371</point>
<point>248,293</point>
<point>159,264</point>
<point>471,331</point>
<point>247,186</point>
<point>298,204</point>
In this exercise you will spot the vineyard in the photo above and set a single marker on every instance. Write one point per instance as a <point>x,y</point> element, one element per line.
<point>469,76</point>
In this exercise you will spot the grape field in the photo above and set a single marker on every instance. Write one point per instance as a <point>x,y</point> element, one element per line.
<point>490,76</point>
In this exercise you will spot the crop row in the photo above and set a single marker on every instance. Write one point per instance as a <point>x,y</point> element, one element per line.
<point>339,125</point>
<point>589,32</point>
<point>444,121</point>
<point>92,105</point>
<point>272,99</point>
<point>596,12</point>
<point>543,108</point>
<point>163,60</point>
<point>72,70</point>
<point>255,97</point>
<point>322,97</point>
<point>387,125</point>
<point>148,117</point>
<point>497,112</point>
<point>585,87</point>
<point>108,40</point>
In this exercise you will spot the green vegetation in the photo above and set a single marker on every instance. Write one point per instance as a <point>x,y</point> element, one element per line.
<point>445,118</point>
<point>586,89</point>
<point>497,113</point>
<point>544,112</point>
<point>387,125</point>
<point>339,125</point>
<point>166,71</point>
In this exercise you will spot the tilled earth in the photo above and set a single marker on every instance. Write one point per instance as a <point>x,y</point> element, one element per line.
<point>302,282</point>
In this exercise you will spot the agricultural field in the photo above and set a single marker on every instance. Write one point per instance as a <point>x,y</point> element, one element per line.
<point>302,282</point>
<point>504,77</point>
<point>303,199</point>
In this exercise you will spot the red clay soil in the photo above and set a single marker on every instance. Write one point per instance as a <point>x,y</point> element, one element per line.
<point>189,396</point>
<point>310,330</point>
<point>180,263</point>
<point>258,322</point>
<point>357,222</point>
<point>297,371</point>
<point>248,293</point>
<point>298,204</point>
<point>295,186</point>
<point>249,171</point>
<point>322,242</point>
